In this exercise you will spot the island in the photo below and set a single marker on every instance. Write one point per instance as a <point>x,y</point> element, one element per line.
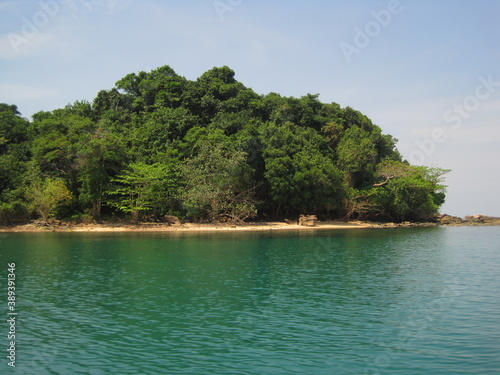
<point>209,150</point>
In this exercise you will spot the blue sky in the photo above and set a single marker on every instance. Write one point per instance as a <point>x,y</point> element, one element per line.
<point>427,72</point>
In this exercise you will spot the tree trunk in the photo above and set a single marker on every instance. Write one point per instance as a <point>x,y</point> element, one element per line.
<point>135,216</point>
<point>96,209</point>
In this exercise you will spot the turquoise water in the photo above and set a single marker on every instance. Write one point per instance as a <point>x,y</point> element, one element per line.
<point>392,301</point>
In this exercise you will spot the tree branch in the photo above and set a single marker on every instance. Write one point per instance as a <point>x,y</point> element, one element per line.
<point>387,179</point>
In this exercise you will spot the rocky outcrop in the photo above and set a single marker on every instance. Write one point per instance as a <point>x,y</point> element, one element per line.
<point>172,220</point>
<point>307,220</point>
<point>449,220</point>
<point>481,220</point>
<point>468,220</point>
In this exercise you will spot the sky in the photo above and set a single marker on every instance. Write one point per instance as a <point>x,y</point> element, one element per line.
<point>426,72</point>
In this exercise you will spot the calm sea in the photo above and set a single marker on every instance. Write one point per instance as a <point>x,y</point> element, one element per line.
<point>391,301</point>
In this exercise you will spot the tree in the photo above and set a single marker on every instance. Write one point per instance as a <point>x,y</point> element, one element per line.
<point>390,169</point>
<point>99,157</point>
<point>46,194</point>
<point>218,91</point>
<point>332,132</point>
<point>359,204</point>
<point>14,155</point>
<point>410,193</point>
<point>299,171</point>
<point>56,138</point>
<point>161,87</point>
<point>357,155</point>
<point>141,187</point>
<point>112,105</point>
<point>13,206</point>
<point>13,128</point>
<point>218,184</point>
<point>160,131</point>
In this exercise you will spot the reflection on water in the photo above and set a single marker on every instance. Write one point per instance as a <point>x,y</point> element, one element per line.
<point>403,301</point>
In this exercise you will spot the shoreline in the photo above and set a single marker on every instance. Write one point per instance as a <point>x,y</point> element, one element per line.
<point>191,227</point>
<point>68,227</point>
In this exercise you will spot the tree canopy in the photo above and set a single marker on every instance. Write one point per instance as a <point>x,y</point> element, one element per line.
<point>158,143</point>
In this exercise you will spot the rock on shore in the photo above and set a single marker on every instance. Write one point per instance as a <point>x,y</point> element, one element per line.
<point>468,220</point>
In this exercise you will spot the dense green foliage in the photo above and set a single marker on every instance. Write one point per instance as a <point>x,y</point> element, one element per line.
<point>208,149</point>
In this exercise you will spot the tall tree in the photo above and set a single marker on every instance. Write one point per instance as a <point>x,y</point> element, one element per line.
<point>14,155</point>
<point>99,157</point>
<point>299,170</point>
<point>357,156</point>
<point>46,194</point>
<point>142,187</point>
<point>218,184</point>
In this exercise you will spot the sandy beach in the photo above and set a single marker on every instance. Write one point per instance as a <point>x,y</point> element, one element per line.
<point>187,227</point>
<point>61,226</point>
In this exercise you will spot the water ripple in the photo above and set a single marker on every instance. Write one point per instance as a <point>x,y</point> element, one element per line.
<point>345,302</point>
